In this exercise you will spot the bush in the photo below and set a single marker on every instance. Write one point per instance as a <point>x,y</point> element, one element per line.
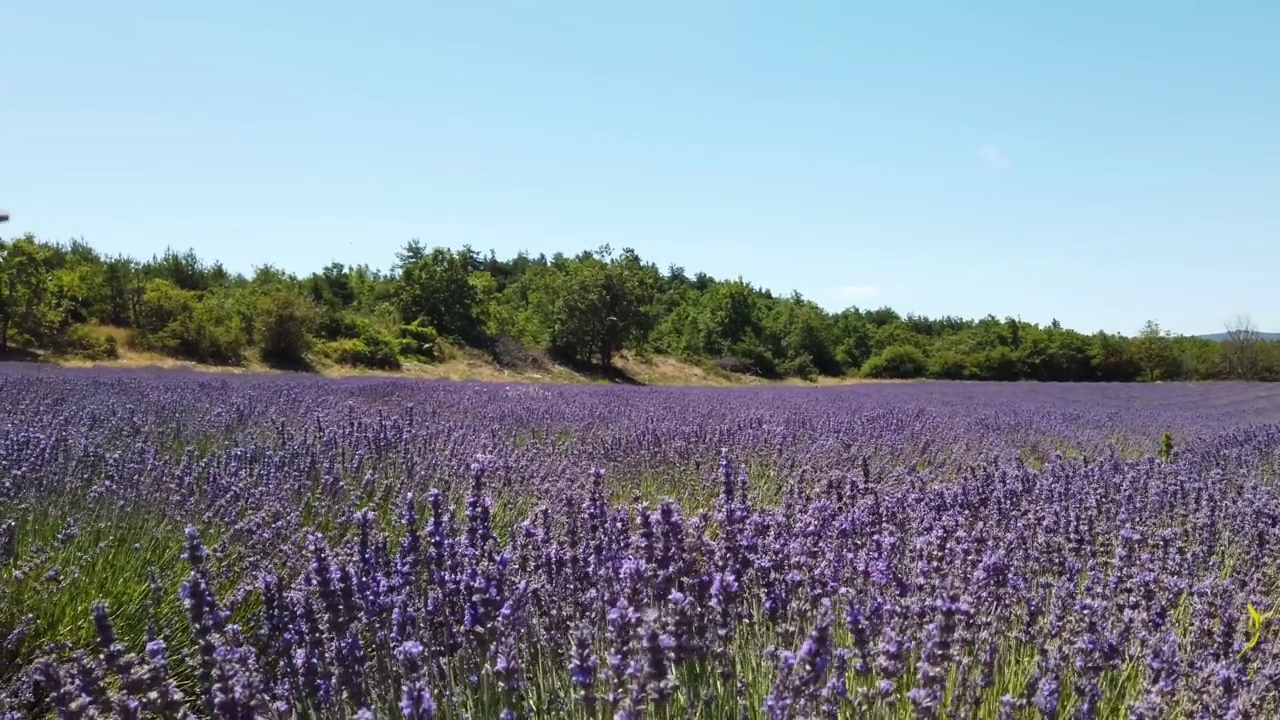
<point>182,324</point>
<point>285,319</point>
<point>162,304</point>
<point>999,363</point>
<point>510,353</point>
<point>337,324</point>
<point>749,358</point>
<point>88,343</point>
<point>419,340</point>
<point>948,365</point>
<point>370,351</point>
<point>212,334</point>
<point>732,364</point>
<point>898,362</point>
<point>800,366</point>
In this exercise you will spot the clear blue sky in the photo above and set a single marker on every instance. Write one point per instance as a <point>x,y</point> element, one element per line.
<point>1101,163</point>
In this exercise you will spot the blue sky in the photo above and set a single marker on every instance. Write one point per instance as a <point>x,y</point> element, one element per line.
<point>1101,163</point>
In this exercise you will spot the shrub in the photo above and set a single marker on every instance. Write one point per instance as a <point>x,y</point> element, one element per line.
<point>285,319</point>
<point>337,324</point>
<point>87,342</point>
<point>732,364</point>
<point>419,340</point>
<point>509,352</point>
<point>898,362</point>
<point>181,323</point>
<point>948,365</point>
<point>998,363</point>
<point>800,366</point>
<point>162,304</point>
<point>371,351</point>
<point>753,360</point>
<point>212,334</point>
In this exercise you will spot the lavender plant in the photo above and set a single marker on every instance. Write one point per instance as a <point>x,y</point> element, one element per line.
<point>179,545</point>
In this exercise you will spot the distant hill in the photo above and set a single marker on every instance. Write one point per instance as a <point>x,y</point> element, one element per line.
<point>1222,336</point>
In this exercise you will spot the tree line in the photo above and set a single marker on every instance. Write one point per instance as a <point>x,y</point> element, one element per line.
<point>584,309</point>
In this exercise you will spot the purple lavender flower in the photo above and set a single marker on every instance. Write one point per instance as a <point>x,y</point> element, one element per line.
<point>584,666</point>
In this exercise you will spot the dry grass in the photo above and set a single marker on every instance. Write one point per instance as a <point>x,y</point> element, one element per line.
<point>133,358</point>
<point>143,359</point>
<point>468,364</point>
<point>663,370</point>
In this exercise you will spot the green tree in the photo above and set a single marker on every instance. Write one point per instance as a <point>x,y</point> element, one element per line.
<point>523,309</point>
<point>1154,350</point>
<point>1053,354</point>
<point>586,307</point>
<point>1112,358</point>
<point>852,338</point>
<point>184,270</point>
<point>206,327</point>
<point>998,363</point>
<point>801,336</point>
<point>724,321</point>
<point>600,305</point>
<point>436,288</point>
<point>216,332</point>
<point>895,333</point>
<point>899,362</point>
<point>162,306</point>
<point>27,312</point>
<point>1202,359</point>
<point>1242,351</point>
<point>285,319</point>
<point>123,286</point>
<point>332,286</point>
<point>733,317</point>
<point>948,365</point>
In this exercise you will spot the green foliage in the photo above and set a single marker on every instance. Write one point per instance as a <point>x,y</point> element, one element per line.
<point>184,324</point>
<point>87,343</point>
<point>216,332</point>
<point>584,309</point>
<point>755,359</point>
<point>852,338</point>
<point>372,350</point>
<point>1166,446</point>
<point>948,365</point>
<point>1257,623</point>
<point>437,288</point>
<point>1053,355</point>
<point>285,318</point>
<point>800,366</point>
<point>162,305</point>
<point>801,335</point>
<point>899,362</point>
<point>333,324</point>
<point>895,334</point>
<point>597,305</point>
<point>1113,358</point>
<point>29,312</point>
<point>1155,351</point>
<point>420,341</point>
<point>998,363</point>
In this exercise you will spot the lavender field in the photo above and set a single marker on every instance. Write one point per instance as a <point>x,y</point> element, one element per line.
<point>197,545</point>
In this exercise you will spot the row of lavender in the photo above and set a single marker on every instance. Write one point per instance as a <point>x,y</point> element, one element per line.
<point>378,547</point>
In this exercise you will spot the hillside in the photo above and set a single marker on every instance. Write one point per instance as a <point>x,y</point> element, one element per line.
<point>462,364</point>
<point>1223,337</point>
<point>456,312</point>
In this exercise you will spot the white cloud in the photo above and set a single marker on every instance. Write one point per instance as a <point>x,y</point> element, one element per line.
<point>994,158</point>
<point>857,292</point>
